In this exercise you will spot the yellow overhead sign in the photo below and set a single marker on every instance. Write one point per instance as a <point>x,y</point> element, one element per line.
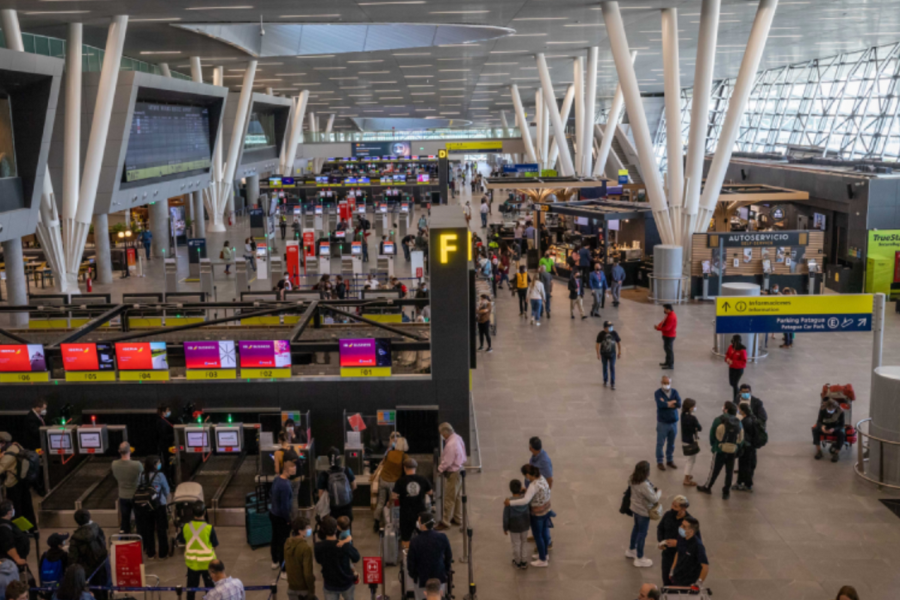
<point>482,146</point>
<point>757,306</point>
<point>442,153</point>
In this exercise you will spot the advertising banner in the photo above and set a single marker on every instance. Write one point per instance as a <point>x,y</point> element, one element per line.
<point>366,357</point>
<point>142,356</point>
<point>209,355</point>
<point>265,354</point>
<point>382,149</point>
<point>22,358</point>
<point>883,263</point>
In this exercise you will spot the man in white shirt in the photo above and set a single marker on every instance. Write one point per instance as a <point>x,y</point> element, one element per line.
<point>452,459</point>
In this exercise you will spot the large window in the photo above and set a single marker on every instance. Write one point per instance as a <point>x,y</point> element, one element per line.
<point>845,105</point>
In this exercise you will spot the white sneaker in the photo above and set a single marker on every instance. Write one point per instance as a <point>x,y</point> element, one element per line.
<point>538,323</point>
<point>540,563</point>
<point>643,562</point>
<point>275,566</point>
<point>631,554</point>
<point>283,576</point>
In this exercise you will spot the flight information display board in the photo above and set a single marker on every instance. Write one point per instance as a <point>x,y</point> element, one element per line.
<point>260,131</point>
<point>167,139</point>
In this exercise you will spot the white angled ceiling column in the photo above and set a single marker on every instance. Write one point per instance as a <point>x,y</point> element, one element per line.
<point>213,196</point>
<point>590,108</point>
<point>564,117</point>
<point>164,67</point>
<point>615,28</point>
<point>578,82</point>
<point>287,167</point>
<point>612,121</point>
<point>505,123</point>
<point>675,145</point>
<point>565,160</point>
<point>696,149</point>
<point>77,228</point>
<point>330,125</point>
<point>196,69</point>
<point>539,127</point>
<point>72,150</point>
<point>195,199</point>
<point>545,129</point>
<point>759,33</point>
<point>523,123</point>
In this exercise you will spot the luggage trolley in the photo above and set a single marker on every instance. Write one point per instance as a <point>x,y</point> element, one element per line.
<point>845,396</point>
<point>678,593</point>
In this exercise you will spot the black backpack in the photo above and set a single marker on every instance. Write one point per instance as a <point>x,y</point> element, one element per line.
<point>732,433</point>
<point>339,490</point>
<point>146,497</point>
<point>761,436</point>
<point>608,345</point>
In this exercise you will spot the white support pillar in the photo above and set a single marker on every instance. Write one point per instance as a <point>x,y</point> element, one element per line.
<point>296,132</point>
<point>159,227</point>
<point>16,286</point>
<point>102,258</point>
<point>564,117</point>
<point>565,160</point>
<point>505,123</point>
<point>615,28</point>
<point>590,109</point>
<point>674,143</point>
<point>72,154</point>
<point>164,67</point>
<point>612,121</point>
<point>196,69</point>
<point>696,149</point>
<point>545,130</point>
<point>330,124</point>
<point>313,123</point>
<point>539,127</point>
<point>76,227</point>
<point>762,23</point>
<point>523,123</point>
<point>199,215</point>
<point>11,30</point>
<point>221,196</point>
<point>578,82</point>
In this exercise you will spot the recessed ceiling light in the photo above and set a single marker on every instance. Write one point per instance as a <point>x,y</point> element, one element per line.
<point>561,43</point>
<point>422,94</point>
<point>382,82</point>
<point>453,70</point>
<point>459,12</point>
<point>412,54</point>
<point>148,52</point>
<point>342,78</point>
<point>373,72</point>
<point>419,76</point>
<point>352,62</point>
<point>449,113</point>
<point>529,35</point>
<point>391,98</point>
<point>494,74</point>
<point>451,80</point>
<point>387,91</point>
<point>367,103</point>
<point>57,12</point>
<point>508,51</point>
<point>454,96</point>
<point>329,68</point>
<point>151,20</point>
<point>499,64</point>
<point>289,74</point>
<point>309,16</point>
<point>247,7</point>
<point>414,66</point>
<point>315,56</point>
<point>359,95</point>
<point>420,86</point>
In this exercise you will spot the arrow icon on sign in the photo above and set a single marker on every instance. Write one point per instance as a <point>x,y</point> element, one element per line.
<point>725,306</point>
<point>862,322</point>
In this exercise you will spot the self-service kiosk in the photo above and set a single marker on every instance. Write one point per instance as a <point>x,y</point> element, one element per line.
<point>324,258</point>
<point>318,217</point>
<point>60,440</point>
<point>385,217</point>
<point>92,439</point>
<point>405,215</point>
<point>356,256</point>
<point>386,259</point>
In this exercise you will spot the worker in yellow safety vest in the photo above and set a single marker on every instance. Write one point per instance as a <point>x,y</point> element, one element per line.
<point>199,539</point>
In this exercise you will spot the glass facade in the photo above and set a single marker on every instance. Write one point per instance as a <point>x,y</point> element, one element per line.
<point>92,58</point>
<point>846,106</point>
<point>412,134</point>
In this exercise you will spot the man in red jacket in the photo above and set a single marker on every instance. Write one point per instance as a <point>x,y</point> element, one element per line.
<point>668,327</point>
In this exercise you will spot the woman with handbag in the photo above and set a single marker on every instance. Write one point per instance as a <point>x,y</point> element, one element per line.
<point>690,439</point>
<point>645,505</point>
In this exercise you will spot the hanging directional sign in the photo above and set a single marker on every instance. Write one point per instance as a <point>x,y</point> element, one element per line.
<point>794,314</point>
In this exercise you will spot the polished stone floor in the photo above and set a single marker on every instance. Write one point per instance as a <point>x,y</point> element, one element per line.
<point>809,527</point>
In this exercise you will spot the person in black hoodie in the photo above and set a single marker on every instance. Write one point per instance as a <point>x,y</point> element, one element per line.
<point>337,574</point>
<point>429,555</point>
<point>88,549</point>
<point>667,534</point>
<point>747,459</point>
<point>745,395</point>
<point>830,423</point>
<point>690,439</point>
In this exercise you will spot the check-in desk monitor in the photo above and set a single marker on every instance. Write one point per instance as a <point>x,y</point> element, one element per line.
<point>92,440</point>
<point>229,438</point>
<point>59,441</point>
<point>388,249</point>
<point>196,439</point>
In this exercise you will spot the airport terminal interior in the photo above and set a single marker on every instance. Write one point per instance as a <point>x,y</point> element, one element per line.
<point>534,300</point>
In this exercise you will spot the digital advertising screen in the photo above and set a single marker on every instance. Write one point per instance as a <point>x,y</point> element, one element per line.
<point>376,149</point>
<point>351,180</point>
<point>88,357</point>
<point>209,355</point>
<point>288,182</point>
<point>400,178</point>
<point>167,139</point>
<point>265,354</point>
<point>364,180</point>
<point>274,182</point>
<point>322,180</point>
<point>142,356</point>
<point>22,358</point>
<point>366,352</point>
<point>424,178</point>
<point>386,180</point>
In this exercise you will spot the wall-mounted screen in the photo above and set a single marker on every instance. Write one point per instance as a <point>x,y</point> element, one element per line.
<point>368,352</point>
<point>377,149</point>
<point>88,357</point>
<point>227,438</point>
<point>424,178</point>
<point>142,356</point>
<point>209,355</point>
<point>197,439</point>
<point>260,131</point>
<point>322,180</point>
<point>59,441</point>
<point>22,358</point>
<point>167,139</point>
<point>265,354</point>
<point>89,439</point>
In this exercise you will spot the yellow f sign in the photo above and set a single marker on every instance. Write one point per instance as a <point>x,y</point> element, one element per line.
<point>446,247</point>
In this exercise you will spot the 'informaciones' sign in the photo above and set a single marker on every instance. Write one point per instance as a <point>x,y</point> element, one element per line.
<point>794,314</point>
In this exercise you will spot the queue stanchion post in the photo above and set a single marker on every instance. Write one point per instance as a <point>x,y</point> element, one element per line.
<point>465,518</point>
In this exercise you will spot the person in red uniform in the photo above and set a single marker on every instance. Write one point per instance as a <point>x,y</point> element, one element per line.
<point>667,327</point>
<point>736,358</point>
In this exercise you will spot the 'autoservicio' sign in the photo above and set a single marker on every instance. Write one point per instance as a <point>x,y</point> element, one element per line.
<point>749,239</point>
<point>794,314</point>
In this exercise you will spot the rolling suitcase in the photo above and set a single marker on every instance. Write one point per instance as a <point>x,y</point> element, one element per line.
<point>256,518</point>
<point>390,541</point>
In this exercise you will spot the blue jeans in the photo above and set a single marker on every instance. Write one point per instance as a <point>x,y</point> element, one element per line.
<point>638,534</point>
<point>484,220</point>
<point>665,432</point>
<point>609,361</point>
<point>536,309</point>
<point>346,594</point>
<point>540,529</point>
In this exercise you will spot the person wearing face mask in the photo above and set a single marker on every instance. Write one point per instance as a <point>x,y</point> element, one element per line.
<point>16,489</point>
<point>690,439</point>
<point>429,555</point>
<point>745,396</point>
<point>725,438</point>
<point>667,404</point>
<point>34,420</point>
<point>667,534</point>
<point>154,519</point>
<point>609,348</point>
<point>736,359</point>
<point>691,567</point>
<point>747,459</point>
<point>830,423</point>
<point>14,543</point>
<point>298,561</point>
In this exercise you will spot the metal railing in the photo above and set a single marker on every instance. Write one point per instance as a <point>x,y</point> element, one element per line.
<point>864,453</point>
<point>412,134</point>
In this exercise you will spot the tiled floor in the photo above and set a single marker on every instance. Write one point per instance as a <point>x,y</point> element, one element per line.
<point>809,528</point>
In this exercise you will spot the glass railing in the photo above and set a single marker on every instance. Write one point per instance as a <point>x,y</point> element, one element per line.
<point>412,134</point>
<point>92,58</point>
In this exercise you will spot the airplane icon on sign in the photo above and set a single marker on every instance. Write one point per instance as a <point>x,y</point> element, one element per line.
<point>847,322</point>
